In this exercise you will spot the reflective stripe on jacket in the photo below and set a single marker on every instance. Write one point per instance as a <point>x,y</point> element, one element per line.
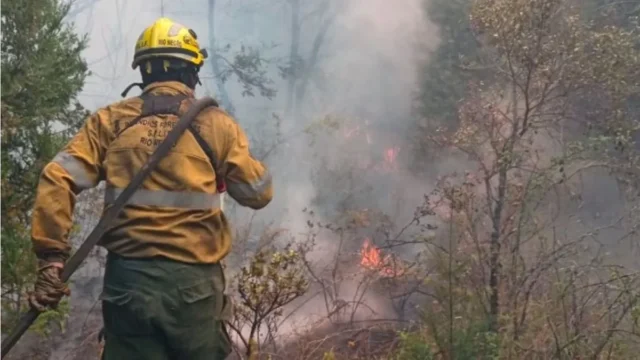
<point>176,212</point>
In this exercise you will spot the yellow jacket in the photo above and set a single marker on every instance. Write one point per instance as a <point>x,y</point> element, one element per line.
<point>176,211</point>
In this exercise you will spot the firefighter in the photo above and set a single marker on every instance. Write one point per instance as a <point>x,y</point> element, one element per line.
<point>163,288</point>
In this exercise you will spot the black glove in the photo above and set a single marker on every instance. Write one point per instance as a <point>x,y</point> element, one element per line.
<point>49,289</point>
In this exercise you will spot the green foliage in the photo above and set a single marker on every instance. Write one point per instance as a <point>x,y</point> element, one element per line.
<point>18,273</point>
<point>42,74</point>
<point>413,346</point>
<point>270,281</point>
<point>552,72</point>
<point>592,91</point>
<point>54,317</point>
<point>444,80</point>
<point>329,355</point>
<point>473,342</point>
<point>444,77</point>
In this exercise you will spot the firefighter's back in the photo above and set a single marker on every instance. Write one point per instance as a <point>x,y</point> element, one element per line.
<point>163,293</point>
<point>176,211</point>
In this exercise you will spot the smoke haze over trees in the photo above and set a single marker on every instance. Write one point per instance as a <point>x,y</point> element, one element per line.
<point>452,179</point>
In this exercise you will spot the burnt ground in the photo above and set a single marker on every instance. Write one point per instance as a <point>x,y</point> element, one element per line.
<point>347,342</point>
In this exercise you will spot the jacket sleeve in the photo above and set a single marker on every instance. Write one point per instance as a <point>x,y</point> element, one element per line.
<point>77,167</point>
<point>248,180</point>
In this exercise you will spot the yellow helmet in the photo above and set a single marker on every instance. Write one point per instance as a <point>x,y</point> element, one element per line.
<point>166,38</point>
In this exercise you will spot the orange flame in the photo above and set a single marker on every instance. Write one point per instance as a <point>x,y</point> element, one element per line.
<point>370,255</point>
<point>371,259</point>
<point>391,154</point>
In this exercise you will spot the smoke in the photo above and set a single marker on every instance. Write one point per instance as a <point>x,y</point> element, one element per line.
<point>366,80</point>
<point>363,73</point>
<point>362,76</point>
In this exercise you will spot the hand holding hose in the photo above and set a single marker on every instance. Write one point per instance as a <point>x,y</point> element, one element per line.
<point>49,288</point>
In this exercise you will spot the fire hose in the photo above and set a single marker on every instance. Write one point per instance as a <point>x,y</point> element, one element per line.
<point>111,214</point>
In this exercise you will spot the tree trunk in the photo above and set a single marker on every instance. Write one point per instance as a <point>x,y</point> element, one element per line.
<point>223,95</point>
<point>505,158</point>
<point>294,57</point>
<point>494,252</point>
<point>312,62</point>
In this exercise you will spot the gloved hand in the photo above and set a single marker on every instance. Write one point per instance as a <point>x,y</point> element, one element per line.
<point>49,289</point>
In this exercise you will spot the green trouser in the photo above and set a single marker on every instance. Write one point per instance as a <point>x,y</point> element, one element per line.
<point>162,309</point>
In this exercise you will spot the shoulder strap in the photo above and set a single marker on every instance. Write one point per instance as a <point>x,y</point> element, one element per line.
<point>155,105</point>
<point>204,146</point>
<point>170,104</point>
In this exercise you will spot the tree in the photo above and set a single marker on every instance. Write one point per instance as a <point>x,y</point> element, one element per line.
<point>42,73</point>
<point>513,245</point>
<point>301,69</point>
<point>444,79</point>
<point>247,64</point>
<point>272,280</point>
<point>544,57</point>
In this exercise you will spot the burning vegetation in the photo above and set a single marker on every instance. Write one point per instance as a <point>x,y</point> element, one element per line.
<point>371,258</point>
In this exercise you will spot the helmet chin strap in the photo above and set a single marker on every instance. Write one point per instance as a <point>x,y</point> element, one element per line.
<point>190,78</point>
<point>131,86</point>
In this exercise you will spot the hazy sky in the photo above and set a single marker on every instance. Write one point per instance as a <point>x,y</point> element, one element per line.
<point>366,35</point>
<point>114,25</point>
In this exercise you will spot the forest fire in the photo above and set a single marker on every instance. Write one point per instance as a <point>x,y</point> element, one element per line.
<point>371,259</point>
<point>389,154</point>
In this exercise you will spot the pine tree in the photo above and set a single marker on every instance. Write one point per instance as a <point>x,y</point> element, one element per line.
<point>42,73</point>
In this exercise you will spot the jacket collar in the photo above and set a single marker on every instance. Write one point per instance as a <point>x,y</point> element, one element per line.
<point>169,88</point>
